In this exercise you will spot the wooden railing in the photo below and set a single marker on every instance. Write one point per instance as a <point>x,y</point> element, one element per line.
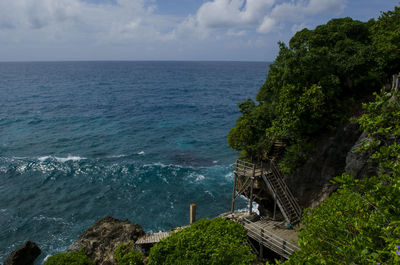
<point>279,245</point>
<point>279,177</point>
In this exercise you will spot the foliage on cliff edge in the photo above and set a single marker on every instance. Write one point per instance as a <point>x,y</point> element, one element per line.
<point>313,84</point>
<point>360,223</point>
<point>216,241</point>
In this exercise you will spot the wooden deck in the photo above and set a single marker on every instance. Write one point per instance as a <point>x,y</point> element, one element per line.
<point>271,234</point>
<point>152,238</point>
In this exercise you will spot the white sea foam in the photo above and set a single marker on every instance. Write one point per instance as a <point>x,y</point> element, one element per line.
<point>209,193</point>
<point>200,178</point>
<point>116,156</point>
<point>47,256</point>
<point>61,159</point>
<point>141,153</point>
<point>21,169</point>
<point>69,158</point>
<point>3,169</point>
<point>229,175</point>
<point>255,206</point>
<point>43,158</point>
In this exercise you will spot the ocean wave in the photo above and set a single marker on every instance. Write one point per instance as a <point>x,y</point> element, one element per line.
<point>116,156</point>
<point>141,153</point>
<point>61,159</point>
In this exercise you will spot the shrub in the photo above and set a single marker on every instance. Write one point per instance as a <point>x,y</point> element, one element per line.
<point>70,258</point>
<point>215,241</point>
<point>124,254</point>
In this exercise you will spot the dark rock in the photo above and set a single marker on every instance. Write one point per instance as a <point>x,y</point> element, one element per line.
<point>24,255</point>
<point>311,183</point>
<point>100,240</point>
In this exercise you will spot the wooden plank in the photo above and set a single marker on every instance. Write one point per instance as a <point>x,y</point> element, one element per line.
<point>152,238</point>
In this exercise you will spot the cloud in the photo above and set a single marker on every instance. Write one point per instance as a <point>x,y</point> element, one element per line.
<point>264,16</point>
<point>228,13</point>
<point>126,29</point>
<point>267,25</point>
<point>63,20</point>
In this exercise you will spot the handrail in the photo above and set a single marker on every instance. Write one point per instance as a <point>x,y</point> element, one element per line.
<point>277,197</point>
<point>242,167</point>
<point>272,239</point>
<point>286,189</point>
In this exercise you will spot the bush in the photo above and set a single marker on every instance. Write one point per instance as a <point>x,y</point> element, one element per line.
<point>360,222</point>
<point>215,241</point>
<point>70,258</point>
<point>124,254</point>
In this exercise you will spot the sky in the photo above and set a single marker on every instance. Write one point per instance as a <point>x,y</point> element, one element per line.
<point>217,30</point>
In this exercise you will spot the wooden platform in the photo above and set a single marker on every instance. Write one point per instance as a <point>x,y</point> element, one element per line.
<point>271,234</point>
<point>152,238</point>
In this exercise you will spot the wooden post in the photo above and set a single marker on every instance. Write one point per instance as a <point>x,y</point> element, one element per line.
<point>251,196</point>
<point>251,190</point>
<point>274,206</point>
<point>233,192</point>
<point>262,243</point>
<point>192,213</point>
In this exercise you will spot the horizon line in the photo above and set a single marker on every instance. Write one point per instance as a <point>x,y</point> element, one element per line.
<point>69,61</point>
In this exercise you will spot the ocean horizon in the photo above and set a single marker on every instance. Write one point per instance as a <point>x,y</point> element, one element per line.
<point>137,140</point>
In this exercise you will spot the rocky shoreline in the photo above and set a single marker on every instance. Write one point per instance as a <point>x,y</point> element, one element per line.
<point>98,242</point>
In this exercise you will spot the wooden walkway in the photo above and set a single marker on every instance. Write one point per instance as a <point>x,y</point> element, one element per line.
<point>152,238</point>
<point>271,234</point>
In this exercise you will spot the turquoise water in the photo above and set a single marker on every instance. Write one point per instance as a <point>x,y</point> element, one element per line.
<point>138,140</point>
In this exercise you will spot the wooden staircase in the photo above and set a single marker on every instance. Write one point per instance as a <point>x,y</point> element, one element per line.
<point>284,198</point>
<point>274,180</point>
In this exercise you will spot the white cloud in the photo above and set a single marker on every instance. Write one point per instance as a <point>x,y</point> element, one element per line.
<point>227,13</point>
<point>267,25</point>
<point>63,20</point>
<point>263,15</point>
<point>127,29</point>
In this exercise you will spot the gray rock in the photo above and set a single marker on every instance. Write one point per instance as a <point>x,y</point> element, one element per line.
<point>24,255</point>
<point>358,163</point>
<point>100,240</point>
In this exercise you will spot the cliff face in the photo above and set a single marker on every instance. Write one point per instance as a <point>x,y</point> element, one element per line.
<point>333,152</point>
<point>333,155</point>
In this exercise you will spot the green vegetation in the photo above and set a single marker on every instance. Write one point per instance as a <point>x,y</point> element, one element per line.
<point>215,241</point>
<point>360,223</point>
<point>314,82</point>
<point>314,85</point>
<point>70,258</point>
<point>124,254</point>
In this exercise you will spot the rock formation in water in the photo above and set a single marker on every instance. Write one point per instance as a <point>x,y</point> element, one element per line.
<point>24,255</point>
<point>101,239</point>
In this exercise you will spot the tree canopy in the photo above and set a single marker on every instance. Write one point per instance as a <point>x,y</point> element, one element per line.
<point>216,241</point>
<point>313,83</point>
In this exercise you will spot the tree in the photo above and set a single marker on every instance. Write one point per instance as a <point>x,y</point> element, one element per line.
<point>216,241</point>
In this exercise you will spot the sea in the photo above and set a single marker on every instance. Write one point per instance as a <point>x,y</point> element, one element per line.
<point>134,140</point>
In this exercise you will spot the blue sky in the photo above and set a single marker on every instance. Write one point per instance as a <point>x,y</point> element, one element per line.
<point>240,30</point>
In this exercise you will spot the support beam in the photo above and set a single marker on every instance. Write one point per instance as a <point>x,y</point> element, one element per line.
<point>233,192</point>
<point>251,196</point>
<point>273,218</point>
<point>192,213</point>
<point>251,189</point>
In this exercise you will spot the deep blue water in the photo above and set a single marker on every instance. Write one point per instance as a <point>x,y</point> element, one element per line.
<point>136,140</point>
